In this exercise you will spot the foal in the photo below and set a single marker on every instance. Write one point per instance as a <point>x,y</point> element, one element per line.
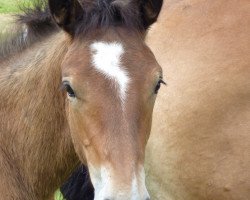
<point>110,80</point>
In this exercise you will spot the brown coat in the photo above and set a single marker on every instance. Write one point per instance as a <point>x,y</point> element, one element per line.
<point>199,148</point>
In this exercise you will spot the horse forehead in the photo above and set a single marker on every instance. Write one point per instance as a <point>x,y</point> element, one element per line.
<point>106,59</point>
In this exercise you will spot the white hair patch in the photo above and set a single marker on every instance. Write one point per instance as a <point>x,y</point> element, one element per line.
<point>107,60</point>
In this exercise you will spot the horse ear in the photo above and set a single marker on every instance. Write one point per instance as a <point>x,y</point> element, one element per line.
<point>65,13</point>
<point>150,10</point>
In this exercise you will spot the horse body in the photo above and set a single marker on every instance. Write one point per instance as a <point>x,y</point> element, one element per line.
<point>34,133</point>
<point>200,143</point>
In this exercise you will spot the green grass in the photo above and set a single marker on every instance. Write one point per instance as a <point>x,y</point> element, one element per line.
<point>11,6</point>
<point>8,6</point>
<point>7,9</point>
<point>58,195</point>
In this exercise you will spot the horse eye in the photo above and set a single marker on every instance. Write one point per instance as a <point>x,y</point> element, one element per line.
<point>158,86</point>
<point>69,89</point>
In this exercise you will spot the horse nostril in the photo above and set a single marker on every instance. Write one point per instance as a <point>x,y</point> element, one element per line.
<point>147,198</point>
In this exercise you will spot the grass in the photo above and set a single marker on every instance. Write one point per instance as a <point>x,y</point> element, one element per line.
<point>12,6</point>
<point>9,6</point>
<point>58,195</point>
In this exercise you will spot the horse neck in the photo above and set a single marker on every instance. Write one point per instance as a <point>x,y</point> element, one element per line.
<point>34,134</point>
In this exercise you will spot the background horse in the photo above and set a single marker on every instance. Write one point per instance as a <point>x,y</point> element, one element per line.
<point>199,147</point>
<point>109,80</point>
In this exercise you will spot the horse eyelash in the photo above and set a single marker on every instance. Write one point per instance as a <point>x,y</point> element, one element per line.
<point>163,82</point>
<point>62,87</point>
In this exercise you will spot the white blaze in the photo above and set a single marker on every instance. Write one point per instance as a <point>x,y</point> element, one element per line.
<point>106,185</point>
<point>107,60</point>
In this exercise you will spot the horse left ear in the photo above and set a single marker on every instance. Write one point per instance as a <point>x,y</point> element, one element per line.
<point>65,13</point>
<point>150,10</point>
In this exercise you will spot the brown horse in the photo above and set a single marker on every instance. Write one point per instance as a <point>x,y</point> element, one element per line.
<point>110,80</point>
<point>199,147</point>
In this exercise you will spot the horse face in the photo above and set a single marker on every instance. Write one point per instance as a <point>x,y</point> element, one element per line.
<point>111,79</point>
<point>111,87</point>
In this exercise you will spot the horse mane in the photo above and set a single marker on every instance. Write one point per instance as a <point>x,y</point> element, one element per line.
<point>36,22</point>
<point>109,13</point>
<point>31,26</point>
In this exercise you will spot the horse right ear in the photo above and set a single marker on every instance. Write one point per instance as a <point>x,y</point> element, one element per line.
<point>65,13</point>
